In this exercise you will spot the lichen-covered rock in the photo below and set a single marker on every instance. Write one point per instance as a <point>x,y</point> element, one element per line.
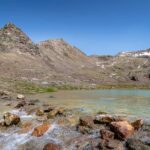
<point>40,130</point>
<point>11,119</point>
<point>122,129</point>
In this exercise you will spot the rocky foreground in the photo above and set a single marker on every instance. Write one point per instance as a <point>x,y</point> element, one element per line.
<point>34,125</point>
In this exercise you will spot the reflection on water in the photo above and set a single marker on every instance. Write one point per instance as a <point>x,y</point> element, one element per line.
<point>128,102</point>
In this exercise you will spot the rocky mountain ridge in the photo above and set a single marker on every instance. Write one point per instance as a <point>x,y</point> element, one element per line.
<point>57,62</point>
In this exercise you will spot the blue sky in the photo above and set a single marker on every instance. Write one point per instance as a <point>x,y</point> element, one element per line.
<point>94,26</point>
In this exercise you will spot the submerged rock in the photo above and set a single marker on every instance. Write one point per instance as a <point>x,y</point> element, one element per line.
<point>122,129</point>
<point>51,146</point>
<point>11,119</point>
<point>25,127</point>
<point>40,130</point>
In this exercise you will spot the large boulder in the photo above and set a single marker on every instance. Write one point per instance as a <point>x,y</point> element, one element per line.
<point>11,119</point>
<point>122,129</point>
<point>51,146</point>
<point>40,130</point>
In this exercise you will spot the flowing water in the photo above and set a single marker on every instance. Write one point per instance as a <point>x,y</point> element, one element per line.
<point>131,103</point>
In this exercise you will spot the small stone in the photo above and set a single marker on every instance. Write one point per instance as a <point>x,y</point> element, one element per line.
<point>11,119</point>
<point>4,92</point>
<point>86,121</point>
<point>42,118</point>
<point>40,130</point>
<point>52,113</point>
<point>106,134</point>
<point>25,127</point>
<point>21,104</point>
<point>20,96</point>
<point>39,112</point>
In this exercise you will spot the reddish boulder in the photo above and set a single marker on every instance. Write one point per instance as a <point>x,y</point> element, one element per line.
<point>122,129</point>
<point>51,146</point>
<point>40,130</point>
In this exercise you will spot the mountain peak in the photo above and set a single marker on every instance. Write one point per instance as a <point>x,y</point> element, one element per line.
<point>10,25</point>
<point>13,39</point>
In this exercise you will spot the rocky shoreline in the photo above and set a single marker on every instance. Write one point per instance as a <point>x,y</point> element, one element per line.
<point>35,125</point>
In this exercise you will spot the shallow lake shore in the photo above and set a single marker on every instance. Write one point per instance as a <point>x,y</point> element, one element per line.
<point>50,121</point>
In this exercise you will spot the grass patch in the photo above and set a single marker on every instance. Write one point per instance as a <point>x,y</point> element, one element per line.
<point>25,87</point>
